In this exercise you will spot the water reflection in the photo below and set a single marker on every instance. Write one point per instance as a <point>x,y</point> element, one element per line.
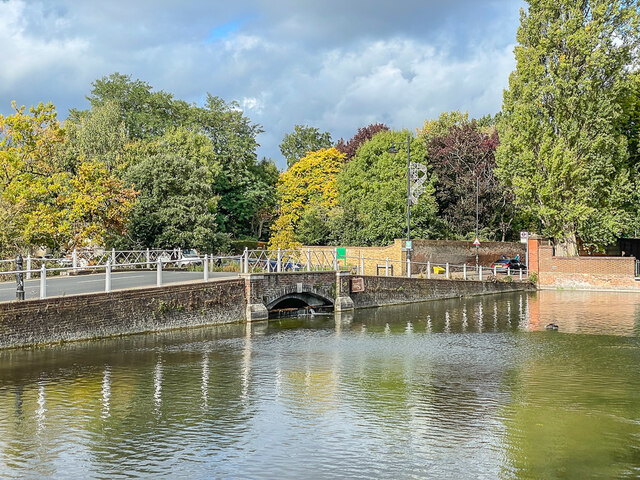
<point>448,389</point>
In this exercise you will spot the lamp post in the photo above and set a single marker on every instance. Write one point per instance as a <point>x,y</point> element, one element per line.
<point>393,149</point>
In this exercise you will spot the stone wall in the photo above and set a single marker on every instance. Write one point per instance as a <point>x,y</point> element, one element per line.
<point>379,291</point>
<point>123,312</point>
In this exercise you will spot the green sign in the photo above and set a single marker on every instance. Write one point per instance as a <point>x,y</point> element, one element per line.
<point>342,253</point>
<point>408,244</point>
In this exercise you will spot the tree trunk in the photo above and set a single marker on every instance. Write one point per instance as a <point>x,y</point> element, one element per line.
<point>568,247</point>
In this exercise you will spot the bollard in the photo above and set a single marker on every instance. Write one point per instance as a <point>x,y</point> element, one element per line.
<point>19,279</point>
<point>429,270</point>
<point>508,271</point>
<point>28,266</point>
<point>386,268</point>
<point>107,277</point>
<point>464,271</point>
<point>159,273</point>
<point>495,271</point>
<point>361,263</point>
<point>480,273</point>
<point>446,272</point>
<point>246,259</point>
<point>43,282</point>
<point>148,259</point>
<point>74,260</point>
<point>520,274</point>
<point>206,268</point>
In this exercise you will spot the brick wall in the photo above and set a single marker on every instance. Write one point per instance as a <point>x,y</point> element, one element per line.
<point>124,312</point>
<point>434,251</point>
<point>380,291</point>
<point>267,287</point>
<point>579,273</point>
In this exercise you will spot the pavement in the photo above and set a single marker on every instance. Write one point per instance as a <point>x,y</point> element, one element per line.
<point>78,284</point>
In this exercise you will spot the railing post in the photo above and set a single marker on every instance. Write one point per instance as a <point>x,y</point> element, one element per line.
<point>429,270</point>
<point>279,261</point>
<point>508,271</point>
<point>43,282</point>
<point>74,260</point>
<point>386,268</point>
<point>107,277</point>
<point>308,259</point>
<point>113,258</point>
<point>179,253</point>
<point>480,273</point>
<point>28,266</point>
<point>495,271</point>
<point>159,273</point>
<point>361,263</point>
<point>148,259</point>
<point>520,274</point>
<point>408,266</point>
<point>335,258</point>
<point>19,279</point>
<point>464,271</point>
<point>446,268</point>
<point>245,259</point>
<point>206,267</point>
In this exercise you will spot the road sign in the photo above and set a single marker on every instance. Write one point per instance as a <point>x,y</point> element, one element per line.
<point>524,236</point>
<point>476,242</point>
<point>407,244</point>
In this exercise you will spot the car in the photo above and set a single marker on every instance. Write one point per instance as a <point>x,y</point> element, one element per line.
<point>189,257</point>
<point>506,264</point>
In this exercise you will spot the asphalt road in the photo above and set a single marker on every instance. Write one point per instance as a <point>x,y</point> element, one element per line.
<point>73,285</point>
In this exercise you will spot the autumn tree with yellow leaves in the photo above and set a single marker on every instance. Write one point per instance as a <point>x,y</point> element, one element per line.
<point>307,194</point>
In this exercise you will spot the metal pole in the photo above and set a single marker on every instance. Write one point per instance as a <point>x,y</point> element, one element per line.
<point>279,263</point>
<point>148,259</point>
<point>429,270</point>
<point>361,263</point>
<point>480,273</point>
<point>386,268</point>
<point>43,282</point>
<point>335,258</point>
<point>28,266</point>
<point>308,259</point>
<point>246,259</point>
<point>206,267</point>
<point>75,260</point>
<point>464,271</point>
<point>447,270</point>
<point>19,279</point>
<point>408,189</point>
<point>107,277</point>
<point>159,273</point>
<point>113,258</point>
<point>477,203</point>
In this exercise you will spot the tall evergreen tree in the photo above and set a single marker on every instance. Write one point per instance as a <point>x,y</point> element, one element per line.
<point>561,147</point>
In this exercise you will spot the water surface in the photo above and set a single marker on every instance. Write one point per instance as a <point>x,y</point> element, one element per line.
<point>469,388</point>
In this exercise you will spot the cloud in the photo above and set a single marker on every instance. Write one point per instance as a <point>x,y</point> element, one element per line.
<point>335,65</point>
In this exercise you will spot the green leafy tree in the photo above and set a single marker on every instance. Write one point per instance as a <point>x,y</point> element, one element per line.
<point>372,192</point>
<point>561,147</point>
<point>301,141</point>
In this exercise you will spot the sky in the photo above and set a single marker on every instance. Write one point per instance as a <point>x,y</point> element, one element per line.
<point>336,65</point>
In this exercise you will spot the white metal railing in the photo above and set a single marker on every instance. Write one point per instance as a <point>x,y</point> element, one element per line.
<point>209,263</point>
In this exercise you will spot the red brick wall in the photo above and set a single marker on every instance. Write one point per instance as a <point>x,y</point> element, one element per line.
<point>594,273</point>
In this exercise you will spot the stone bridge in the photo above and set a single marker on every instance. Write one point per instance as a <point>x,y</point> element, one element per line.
<point>271,291</point>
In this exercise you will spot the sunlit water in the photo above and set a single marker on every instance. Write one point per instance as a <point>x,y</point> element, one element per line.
<point>469,388</point>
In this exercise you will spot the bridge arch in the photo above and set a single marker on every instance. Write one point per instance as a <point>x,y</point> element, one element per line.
<point>299,300</point>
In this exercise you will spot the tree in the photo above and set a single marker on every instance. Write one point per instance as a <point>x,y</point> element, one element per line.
<point>463,161</point>
<point>440,127</point>
<point>301,141</point>
<point>561,149</point>
<point>363,135</point>
<point>309,184</point>
<point>372,192</point>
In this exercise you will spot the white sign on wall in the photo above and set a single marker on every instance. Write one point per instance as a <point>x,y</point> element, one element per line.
<point>524,236</point>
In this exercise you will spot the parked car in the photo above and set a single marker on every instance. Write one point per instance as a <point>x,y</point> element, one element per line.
<point>189,257</point>
<point>504,264</point>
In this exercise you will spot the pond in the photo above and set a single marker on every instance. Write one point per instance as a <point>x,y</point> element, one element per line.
<point>466,388</point>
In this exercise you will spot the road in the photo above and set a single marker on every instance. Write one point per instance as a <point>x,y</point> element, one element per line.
<point>73,285</point>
